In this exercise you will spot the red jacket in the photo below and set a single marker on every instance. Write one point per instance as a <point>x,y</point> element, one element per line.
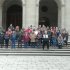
<point>26,38</point>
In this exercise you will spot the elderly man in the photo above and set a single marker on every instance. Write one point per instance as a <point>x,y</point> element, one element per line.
<point>45,40</point>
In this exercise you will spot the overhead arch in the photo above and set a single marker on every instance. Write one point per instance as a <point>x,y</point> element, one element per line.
<point>48,13</point>
<point>5,8</point>
<point>14,16</point>
<point>61,12</point>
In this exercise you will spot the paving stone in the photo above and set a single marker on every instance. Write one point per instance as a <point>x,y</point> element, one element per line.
<point>34,62</point>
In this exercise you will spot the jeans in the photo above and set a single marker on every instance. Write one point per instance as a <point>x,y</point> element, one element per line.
<point>33,44</point>
<point>6,42</point>
<point>13,44</point>
<point>59,46</point>
<point>45,42</point>
<point>39,43</point>
<point>66,42</point>
<point>19,44</point>
<point>26,44</point>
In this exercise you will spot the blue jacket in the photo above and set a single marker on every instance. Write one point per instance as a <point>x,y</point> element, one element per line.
<point>13,37</point>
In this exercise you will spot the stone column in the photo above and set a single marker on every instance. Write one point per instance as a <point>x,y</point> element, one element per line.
<point>67,17</point>
<point>0,17</point>
<point>63,13</point>
<point>23,14</point>
<point>59,17</point>
<point>37,12</point>
<point>30,13</point>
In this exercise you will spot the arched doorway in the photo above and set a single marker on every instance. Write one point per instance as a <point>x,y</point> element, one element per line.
<point>12,13</point>
<point>48,13</point>
<point>14,16</point>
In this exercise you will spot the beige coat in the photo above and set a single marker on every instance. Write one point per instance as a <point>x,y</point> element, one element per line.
<point>32,37</point>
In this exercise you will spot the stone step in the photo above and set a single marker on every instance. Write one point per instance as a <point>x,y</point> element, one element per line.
<point>35,52</point>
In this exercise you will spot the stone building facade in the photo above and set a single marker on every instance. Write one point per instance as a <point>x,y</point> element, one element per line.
<point>30,12</point>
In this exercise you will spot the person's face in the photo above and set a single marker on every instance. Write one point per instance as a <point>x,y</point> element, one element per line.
<point>39,25</point>
<point>10,24</point>
<point>43,25</point>
<point>9,30</point>
<point>45,32</point>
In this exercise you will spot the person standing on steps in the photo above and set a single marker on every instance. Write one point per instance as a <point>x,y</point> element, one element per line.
<point>6,38</point>
<point>45,40</point>
<point>13,39</point>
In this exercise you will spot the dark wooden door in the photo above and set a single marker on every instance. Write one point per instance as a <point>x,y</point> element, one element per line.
<point>14,16</point>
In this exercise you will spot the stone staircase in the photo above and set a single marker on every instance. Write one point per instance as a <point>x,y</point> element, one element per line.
<point>35,52</point>
<point>53,51</point>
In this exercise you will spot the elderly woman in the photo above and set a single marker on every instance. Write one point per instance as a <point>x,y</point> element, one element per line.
<point>33,39</point>
<point>26,39</point>
<point>60,41</point>
<point>54,40</point>
<point>66,38</point>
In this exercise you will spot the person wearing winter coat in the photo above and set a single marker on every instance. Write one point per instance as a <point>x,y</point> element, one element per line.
<point>26,39</point>
<point>1,40</point>
<point>60,41</point>
<point>45,40</point>
<point>6,38</point>
<point>33,39</point>
<point>13,39</point>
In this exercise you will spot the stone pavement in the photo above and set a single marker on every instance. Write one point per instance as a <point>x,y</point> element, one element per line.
<point>34,62</point>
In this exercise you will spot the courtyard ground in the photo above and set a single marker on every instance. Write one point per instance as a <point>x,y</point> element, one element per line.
<point>35,59</point>
<point>34,62</point>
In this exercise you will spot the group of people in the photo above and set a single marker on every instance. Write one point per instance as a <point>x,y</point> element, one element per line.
<point>33,37</point>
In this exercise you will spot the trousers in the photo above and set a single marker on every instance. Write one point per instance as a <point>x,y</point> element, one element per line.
<point>45,43</point>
